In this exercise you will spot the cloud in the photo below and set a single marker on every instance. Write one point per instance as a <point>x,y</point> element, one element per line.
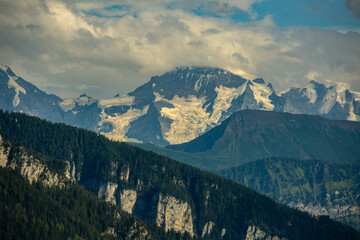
<point>64,50</point>
<point>354,7</point>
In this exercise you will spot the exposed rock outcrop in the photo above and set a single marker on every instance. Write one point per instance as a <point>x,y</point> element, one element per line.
<point>174,214</point>
<point>223,232</point>
<point>125,173</point>
<point>31,168</point>
<point>138,232</point>
<point>70,171</point>
<point>3,154</point>
<point>254,233</point>
<point>107,192</point>
<point>207,228</point>
<point>127,200</point>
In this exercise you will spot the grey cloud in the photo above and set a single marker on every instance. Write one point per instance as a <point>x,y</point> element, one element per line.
<point>354,7</point>
<point>105,56</point>
<point>240,58</point>
<point>211,31</point>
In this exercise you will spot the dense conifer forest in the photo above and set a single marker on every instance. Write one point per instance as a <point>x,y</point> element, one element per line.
<point>212,198</point>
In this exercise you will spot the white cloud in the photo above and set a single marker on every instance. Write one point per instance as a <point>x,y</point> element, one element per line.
<point>60,48</point>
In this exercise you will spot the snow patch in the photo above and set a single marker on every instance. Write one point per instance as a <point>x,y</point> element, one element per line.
<point>310,92</point>
<point>85,100</point>
<point>124,100</point>
<point>340,95</point>
<point>189,119</point>
<point>223,101</point>
<point>204,79</point>
<point>356,96</point>
<point>285,91</point>
<point>70,103</point>
<point>328,102</point>
<point>352,116</point>
<point>13,84</point>
<point>262,95</point>
<point>67,104</point>
<point>3,67</point>
<point>121,123</point>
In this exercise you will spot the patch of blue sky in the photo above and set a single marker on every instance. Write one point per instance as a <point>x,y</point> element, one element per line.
<point>113,11</point>
<point>330,14</point>
<point>310,13</point>
<point>117,8</point>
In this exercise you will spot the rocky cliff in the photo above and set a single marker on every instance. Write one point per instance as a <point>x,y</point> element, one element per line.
<point>255,233</point>
<point>167,211</point>
<point>30,167</point>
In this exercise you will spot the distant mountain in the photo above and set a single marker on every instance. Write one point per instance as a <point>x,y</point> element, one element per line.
<point>175,107</point>
<point>16,94</point>
<point>318,187</point>
<point>249,135</point>
<point>180,105</point>
<point>157,189</point>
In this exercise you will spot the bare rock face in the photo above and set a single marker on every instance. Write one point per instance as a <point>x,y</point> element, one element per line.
<point>223,232</point>
<point>29,167</point>
<point>254,233</point>
<point>70,171</point>
<point>174,214</point>
<point>336,208</point>
<point>137,231</point>
<point>107,192</point>
<point>3,154</point>
<point>125,173</point>
<point>127,200</point>
<point>207,228</point>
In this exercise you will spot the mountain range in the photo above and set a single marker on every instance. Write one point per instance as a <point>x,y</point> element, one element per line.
<point>175,107</point>
<point>196,110</point>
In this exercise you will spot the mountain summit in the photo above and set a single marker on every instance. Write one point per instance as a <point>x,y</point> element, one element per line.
<point>177,106</point>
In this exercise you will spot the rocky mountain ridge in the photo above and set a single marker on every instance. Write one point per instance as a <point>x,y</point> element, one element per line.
<point>250,135</point>
<point>177,106</point>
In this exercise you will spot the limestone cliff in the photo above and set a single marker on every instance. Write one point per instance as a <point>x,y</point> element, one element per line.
<point>255,233</point>
<point>30,167</point>
<point>207,228</point>
<point>107,192</point>
<point>166,211</point>
<point>174,214</point>
<point>127,200</point>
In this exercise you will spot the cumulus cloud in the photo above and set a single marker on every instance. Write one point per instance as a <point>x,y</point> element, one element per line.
<point>66,48</point>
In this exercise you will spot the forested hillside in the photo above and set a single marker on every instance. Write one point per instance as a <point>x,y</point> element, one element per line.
<point>319,187</point>
<point>32,211</point>
<point>232,207</point>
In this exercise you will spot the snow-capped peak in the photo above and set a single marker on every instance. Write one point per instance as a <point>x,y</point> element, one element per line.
<point>262,93</point>
<point>7,69</point>
<point>310,91</point>
<point>4,67</point>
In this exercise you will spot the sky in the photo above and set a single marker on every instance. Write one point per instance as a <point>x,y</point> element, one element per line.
<point>102,48</point>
